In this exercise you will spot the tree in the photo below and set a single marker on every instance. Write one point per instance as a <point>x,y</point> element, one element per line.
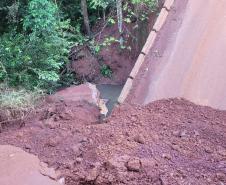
<point>33,58</point>
<point>85,16</point>
<point>120,19</point>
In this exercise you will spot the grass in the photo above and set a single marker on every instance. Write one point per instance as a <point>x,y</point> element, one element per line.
<point>17,103</point>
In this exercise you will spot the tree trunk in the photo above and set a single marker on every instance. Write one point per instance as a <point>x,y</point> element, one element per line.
<point>120,19</point>
<point>85,16</point>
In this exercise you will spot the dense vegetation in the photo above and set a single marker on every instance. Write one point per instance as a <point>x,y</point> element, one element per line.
<point>36,37</point>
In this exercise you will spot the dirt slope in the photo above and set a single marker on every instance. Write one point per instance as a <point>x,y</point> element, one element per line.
<point>166,142</point>
<point>188,58</point>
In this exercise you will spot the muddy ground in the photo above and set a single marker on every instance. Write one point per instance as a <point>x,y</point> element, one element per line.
<point>167,142</point>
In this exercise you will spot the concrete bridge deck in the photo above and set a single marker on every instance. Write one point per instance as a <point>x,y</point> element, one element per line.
<point>187,58</point>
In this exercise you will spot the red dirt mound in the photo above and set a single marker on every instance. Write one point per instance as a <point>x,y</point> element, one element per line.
<point>166,142</point>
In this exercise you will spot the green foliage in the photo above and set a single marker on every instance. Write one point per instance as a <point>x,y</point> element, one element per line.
<point>34,58</point>
<point>36,35</point>
<point>95,4</point>
<point>41,19</point>
<point>109,40</point>
<point>106,71</point>
<point>148,6</point>
<point>152,4</point>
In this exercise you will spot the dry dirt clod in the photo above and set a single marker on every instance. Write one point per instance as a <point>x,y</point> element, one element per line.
<point>134,165</point>
<point>53,142</point>
<point>167,156</point>
<point>27,146</point>
<point>139,139</point>
<point>221,176</point>
<point>50,123</point>
<point>148,162</point>
<point>84,140</point>
<point>176,133</point>
<point>79,160</point>
<point>183,134</point>
<point>208,150</point>
<point>62,181</point>
<point>176,147</point>
<point>70,165</point>
<point>76,149</point>
<point>222,152</point>
<point>93,173</point>
<point>20,134</point>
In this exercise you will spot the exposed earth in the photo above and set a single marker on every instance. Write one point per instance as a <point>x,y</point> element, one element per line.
<point>166,142</point>
<point>87,64</point>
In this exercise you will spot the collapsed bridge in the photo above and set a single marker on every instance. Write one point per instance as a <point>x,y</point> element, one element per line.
<point>184,56</point>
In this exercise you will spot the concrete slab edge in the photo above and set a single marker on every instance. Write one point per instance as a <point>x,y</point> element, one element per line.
<point>168,4</point>
<point>160,20</point>
<point>125,91</point>
<point>148,45</point>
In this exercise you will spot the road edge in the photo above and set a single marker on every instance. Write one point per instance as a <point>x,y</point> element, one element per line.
<point>160,21</point>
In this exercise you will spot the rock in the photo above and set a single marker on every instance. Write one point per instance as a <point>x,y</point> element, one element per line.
<point>27,146</point>
<point>93,173</point>
<point>118,162</point>
<point>134,165</point>
<point>103,107</point>
<point>84,140</point>
<point>148,163</point>
<point>139,139</point>
<point>79,160</point>
<point>105,178</point>
<point>176,147</point>
<point>167,156</point>
<point>183,133</point>
<point>53,142</point>
<point>50,172</point>
<point>61,181</point>
<point>196,133</point>
<point>208,150</point>
<point>70,164</point>
<point>221,176</point>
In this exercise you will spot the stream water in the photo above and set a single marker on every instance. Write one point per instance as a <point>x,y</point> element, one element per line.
<point>110,93</point>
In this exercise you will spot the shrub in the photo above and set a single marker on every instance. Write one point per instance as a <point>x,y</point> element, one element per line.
<point>106,71</point>
<point>33,58</point>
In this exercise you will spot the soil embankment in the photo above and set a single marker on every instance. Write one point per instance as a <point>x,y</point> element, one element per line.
<point>166,142</point>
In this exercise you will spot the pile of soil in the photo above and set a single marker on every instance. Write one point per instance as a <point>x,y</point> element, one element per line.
<point>167,142</point>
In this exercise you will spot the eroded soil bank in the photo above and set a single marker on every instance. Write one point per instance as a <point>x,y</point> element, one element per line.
<point>166,142</point>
